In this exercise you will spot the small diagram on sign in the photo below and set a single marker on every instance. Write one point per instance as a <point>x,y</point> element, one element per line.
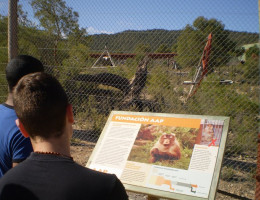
<point>193,188</point>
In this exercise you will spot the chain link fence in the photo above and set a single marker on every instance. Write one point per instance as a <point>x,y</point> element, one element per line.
<point>151,60</point>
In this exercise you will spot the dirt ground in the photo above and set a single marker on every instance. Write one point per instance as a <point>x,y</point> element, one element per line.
<point>244,190</point>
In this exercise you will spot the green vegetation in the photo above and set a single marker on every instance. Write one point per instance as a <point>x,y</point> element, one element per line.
<point>163,48</point>
<point>126,41</point>
<point>58,21</point>
<point>193,39</point>
<point>228,173</point>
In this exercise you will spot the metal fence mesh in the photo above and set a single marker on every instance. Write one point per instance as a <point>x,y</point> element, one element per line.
<point>146,60</point>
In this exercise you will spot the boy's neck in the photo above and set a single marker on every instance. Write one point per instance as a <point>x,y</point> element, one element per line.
<point>56,145</point>
<point>9,100</point>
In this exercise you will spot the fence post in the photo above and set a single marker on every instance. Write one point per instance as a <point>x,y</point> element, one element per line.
<point>257,192</point>
<point>12,29</point>
<point>152,198</point>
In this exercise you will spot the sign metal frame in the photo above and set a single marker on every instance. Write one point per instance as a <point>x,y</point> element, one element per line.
<point>164,194</point>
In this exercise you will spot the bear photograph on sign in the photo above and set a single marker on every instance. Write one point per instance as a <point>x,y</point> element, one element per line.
<point>164,145</point>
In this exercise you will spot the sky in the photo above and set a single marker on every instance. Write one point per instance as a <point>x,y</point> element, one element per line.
<point>112,16</point>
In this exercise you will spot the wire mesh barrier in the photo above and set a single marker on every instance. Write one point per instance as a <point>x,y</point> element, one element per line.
<point>150,56</point>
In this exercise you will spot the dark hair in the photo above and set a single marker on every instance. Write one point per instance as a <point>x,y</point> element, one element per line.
<point>41,103</point>
<point>21,66</point>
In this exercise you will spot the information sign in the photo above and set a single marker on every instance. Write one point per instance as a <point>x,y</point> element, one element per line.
<point>172,156</point>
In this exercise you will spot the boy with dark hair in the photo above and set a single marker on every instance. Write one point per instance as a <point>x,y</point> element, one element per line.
<point>14,147</point>
<point>45,115</point>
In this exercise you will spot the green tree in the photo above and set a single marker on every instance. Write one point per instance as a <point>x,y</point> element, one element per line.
<point>58,20</point>
<point>239,51</point>
<point>141,50</point>
<point>252,52</point>
<point>174,47</point>
<point>251,66</point>
<point>23,17</point>
<point>193,38</point>
<point>3,57</point>
<point>3,41</point>
<point>252,70</point>
<point>163,48</point>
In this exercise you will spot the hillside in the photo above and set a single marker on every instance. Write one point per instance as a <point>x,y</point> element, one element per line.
<point>126,41</point>
<point>242,38</point>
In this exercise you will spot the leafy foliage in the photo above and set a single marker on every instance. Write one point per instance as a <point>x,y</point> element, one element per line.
<point>163,48</point>
<point>252,52</point>
<point>126,41</point>
<point>56,18</point>
<point>193,39</point>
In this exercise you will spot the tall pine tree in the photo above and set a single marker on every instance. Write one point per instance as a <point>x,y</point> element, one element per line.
<point>193,38</point>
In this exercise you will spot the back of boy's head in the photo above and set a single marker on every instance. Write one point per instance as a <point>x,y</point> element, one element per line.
<point>21,66</point>
<point>41,103</point>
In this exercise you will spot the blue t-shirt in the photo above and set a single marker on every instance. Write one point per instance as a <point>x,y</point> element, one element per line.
<point>14,147</point>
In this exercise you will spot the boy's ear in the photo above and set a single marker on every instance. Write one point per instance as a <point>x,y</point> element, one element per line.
<point>21,127</point>
<point>70,114</point>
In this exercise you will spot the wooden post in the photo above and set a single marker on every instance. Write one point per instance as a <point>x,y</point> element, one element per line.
<point>257,192</point>
<point>12,29</point>
<point>152,198</point>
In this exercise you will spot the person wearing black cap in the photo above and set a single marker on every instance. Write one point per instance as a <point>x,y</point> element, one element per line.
<point>50,172</point>
<point>14,147</point>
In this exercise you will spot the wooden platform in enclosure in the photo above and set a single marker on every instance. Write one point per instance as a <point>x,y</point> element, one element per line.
<point>124,56</point>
